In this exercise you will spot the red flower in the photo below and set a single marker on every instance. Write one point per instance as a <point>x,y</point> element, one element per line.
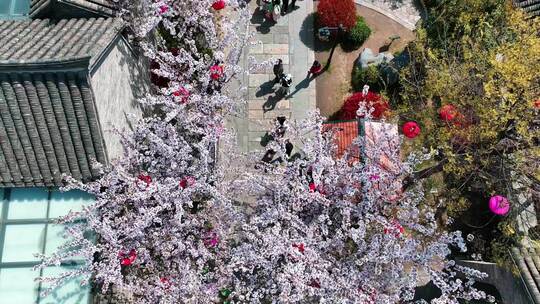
<point>312,187</point>
<point>127,260</point>
<point>216,71</point>
<point>411,129</point>
<point>300,247</point>
<point>146,179</point>
<point>371,100</point>
<point>537,104</point>
<point>448,112</point>
<point>218,5</point>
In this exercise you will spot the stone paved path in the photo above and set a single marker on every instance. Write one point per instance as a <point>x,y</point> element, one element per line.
<point>281,40</point>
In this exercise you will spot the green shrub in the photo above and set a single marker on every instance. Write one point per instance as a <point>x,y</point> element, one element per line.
<point>369,76</point>
<point>357,35</point>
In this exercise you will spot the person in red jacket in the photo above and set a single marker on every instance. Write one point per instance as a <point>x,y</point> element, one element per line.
<point>315,69</point>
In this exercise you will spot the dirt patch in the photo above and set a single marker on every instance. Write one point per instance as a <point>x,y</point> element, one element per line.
<point>335,84</point>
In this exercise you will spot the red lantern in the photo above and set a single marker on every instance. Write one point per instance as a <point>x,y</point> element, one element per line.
<point>182,94</point>
<point>499,205</point>
<point>146,179</point>
<point>187,182</point>
<point>216,71</point>
<point>218,5</point>
<point>411,129</point>
<point>127,260</point>
<point>300,247</point>
<point>448,112</point>
<point>163,9</point>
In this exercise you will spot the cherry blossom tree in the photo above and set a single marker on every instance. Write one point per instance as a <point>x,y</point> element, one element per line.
<point>158,222</point>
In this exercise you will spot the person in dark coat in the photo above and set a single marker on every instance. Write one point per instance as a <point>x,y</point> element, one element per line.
<point>288,148</point>
<point>285,7</point>
<point>278,70</point>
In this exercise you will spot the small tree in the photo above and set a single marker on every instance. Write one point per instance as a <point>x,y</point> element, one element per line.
<point>332,13</point>
<point>372,101</point>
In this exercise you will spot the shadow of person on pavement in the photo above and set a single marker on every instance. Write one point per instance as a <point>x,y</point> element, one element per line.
<point>303,84</point>
<point>265,88</point>
<point>263,24</point>
<point>271,103</point>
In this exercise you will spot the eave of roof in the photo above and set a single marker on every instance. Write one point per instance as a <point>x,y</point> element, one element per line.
<point>100,7</point>
<point>48,124</point>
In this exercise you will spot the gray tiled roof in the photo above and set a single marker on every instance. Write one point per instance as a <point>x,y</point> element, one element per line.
<point>532,7</point>
<point>48,124</point>
<point>528,262</point>
<point>39,40</point>
<point>98,6</point>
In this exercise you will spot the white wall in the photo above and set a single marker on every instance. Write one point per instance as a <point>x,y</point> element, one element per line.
<point>117,81</point>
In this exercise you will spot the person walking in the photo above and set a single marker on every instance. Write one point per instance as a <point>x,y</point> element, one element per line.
<point>293,4</point>
<point>278,70</point>
<point>315,69</point>
<point>285,7</point>
<point>286,82</point>
<point>280,127</point>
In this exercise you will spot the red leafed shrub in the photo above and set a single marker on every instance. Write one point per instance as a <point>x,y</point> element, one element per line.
<point>373,100</point>
<point>335,12</point>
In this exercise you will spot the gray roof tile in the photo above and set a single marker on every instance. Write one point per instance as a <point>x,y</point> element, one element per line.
<point>105,7</point>
<point>48,126</point>
<point>31,41</point>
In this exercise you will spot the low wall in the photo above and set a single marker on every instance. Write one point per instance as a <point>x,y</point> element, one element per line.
<point>509,286</point>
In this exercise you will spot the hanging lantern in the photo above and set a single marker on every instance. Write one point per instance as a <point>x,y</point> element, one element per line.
<point>127,259</point>
<point>448,112</point>
<point>216,71</point>
<point>147,179</point>
<point>300,247</point>
<point>411,129</point>
<point>187,181</point>
<point>218,5</point>
<point>182,95</point>
<point>163,9</point>
<point>499,205</point>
